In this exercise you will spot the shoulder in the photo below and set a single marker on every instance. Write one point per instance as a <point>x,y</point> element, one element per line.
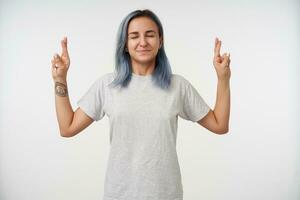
<point>180,80</point>
<point>180,84</point>
<point>106,78</point>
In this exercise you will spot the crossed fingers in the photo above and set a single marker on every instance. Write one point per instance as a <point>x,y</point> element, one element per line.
<point>60,61</point>
<point>217,47</point>
<point>64,46</point>
<point>225,57</point>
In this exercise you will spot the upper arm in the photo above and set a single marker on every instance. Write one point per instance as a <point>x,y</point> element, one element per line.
<point>80,122</point>
<point>210,123</point>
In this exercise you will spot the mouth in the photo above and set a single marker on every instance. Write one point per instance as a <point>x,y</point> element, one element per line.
<point>143,51</point>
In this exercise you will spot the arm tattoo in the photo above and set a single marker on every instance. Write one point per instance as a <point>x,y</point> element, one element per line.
<point>61,89</point>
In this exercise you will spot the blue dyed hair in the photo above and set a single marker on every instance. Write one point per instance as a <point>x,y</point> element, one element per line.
<point>123,70</point>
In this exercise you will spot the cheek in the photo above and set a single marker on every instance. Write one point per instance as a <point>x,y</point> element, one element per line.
<point>154,42</point>
<point>131,44</point>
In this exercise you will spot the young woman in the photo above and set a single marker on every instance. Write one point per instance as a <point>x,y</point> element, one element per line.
<point>143,100</point>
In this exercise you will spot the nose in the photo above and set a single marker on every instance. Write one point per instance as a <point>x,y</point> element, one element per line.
<point>143,41</point>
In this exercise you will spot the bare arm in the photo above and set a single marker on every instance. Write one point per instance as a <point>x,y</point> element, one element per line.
<point>222,107</point>
<point>64,111</point>
<point>218,120</point>
<point>70,122</point>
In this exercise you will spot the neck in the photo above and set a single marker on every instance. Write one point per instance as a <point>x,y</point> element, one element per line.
<point>143,68</point>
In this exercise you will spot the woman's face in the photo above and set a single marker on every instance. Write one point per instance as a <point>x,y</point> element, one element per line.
<point>143,40</point>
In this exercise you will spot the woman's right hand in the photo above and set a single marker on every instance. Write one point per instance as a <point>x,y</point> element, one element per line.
<point>60,64</point>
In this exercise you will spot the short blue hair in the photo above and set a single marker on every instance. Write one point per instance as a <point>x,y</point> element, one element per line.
<point>162,73</point>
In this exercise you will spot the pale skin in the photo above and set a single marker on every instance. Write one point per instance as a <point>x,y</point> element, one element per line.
<point>143,36</point>
<point>70,122</point>
<point>142,44</point>
<point>217,120</point>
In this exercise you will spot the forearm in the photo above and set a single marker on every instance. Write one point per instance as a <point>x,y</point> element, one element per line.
<point>222,107</point>
<point>64,109</point>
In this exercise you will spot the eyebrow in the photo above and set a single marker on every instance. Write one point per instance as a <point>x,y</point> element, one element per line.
<point>135,32</point>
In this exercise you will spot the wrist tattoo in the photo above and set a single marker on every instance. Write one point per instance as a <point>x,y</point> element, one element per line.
<point>61,89</point>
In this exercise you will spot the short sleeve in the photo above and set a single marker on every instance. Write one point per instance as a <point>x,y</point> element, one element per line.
<point>193,107</point>
<point>92,102</point>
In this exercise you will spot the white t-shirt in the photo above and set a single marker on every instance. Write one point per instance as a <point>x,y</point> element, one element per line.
<point>143,163</point>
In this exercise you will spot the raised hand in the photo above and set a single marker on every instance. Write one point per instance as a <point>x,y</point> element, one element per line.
<point>60,64</point>
<point>221,63</point>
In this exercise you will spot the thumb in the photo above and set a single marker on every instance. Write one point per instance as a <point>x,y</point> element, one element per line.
<point>58,60</point>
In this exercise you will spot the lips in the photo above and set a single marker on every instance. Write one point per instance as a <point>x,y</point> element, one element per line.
<point>143,51</point>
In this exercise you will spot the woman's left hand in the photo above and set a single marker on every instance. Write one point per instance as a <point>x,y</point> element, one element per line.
<point>221,63</point>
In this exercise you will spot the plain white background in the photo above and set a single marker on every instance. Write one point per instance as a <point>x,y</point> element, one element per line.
<point>257,159</point>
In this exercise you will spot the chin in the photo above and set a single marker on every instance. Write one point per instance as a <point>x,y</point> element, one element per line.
<point>144,59</point>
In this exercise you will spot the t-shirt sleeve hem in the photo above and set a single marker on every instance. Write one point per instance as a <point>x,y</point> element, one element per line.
<point>87,111</point>
<point>202,114</point>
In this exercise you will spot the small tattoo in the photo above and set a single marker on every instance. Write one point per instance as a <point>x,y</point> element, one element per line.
<point>61,89</point>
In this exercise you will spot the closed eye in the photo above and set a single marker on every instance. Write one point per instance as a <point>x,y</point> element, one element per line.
<point>146,36</point>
